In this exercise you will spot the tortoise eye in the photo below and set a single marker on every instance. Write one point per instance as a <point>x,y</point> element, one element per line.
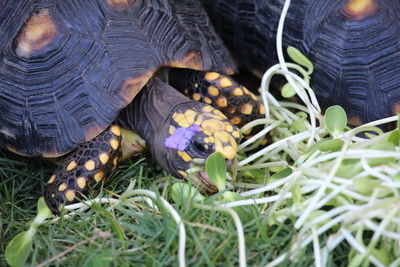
<point>201,147</point>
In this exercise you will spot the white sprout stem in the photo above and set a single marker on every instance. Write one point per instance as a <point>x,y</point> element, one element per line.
<point>239,229</point>
<point>317,249</point>
<point>175,216</point>
<point>321,190</point>
<point>259,135</point>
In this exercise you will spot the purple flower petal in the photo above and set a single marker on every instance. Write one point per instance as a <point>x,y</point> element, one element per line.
<point>180,139</point>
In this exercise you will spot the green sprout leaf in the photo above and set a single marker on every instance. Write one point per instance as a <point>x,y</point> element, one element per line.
<point>216,170</point>
<point>185,191</point>
<point>288,91</point>
<point>19,248</point>
<point>300,59</point>
<point>282,174</point>
<point>335,120</point>
<point>330,145</point>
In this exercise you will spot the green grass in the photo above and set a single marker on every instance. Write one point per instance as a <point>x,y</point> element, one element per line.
<point>137,235</point>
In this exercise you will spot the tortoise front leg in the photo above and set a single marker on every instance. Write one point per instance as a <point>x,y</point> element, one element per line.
<point>86,167</point>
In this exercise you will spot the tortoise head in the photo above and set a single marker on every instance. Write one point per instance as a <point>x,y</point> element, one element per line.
<point>192,133</point>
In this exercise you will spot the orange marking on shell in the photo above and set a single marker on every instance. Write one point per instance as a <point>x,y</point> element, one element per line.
<point>359,9</point>
<point>120,5</point>
<point>38,32</point>
<point>132,86</point>
<point>190,61</point>
<point>396,108</point>
<point>355,121</point>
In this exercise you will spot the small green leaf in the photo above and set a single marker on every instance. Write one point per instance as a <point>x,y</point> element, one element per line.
<point>288,91</point>
<point>282,174</point>
<point>299,58</point>
<point>19,248</point>
<point>383,146</point>
<point>330,145</point>
<point>335,120</point>
<point>216,170</point>
<point>43,210</point>
<point>185,191</point>
<point>365,185</point>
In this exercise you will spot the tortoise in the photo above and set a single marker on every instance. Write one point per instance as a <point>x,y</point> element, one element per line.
<point>72,73</point>
<point>352,43</point>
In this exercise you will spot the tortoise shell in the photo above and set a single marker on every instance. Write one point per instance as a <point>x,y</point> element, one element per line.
<point>68,67</point>
<point>354,45</point>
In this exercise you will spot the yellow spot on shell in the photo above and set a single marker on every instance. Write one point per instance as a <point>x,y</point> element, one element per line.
<point>261,109</point>
<point>236,120</point>
<point>99,176</point>
<point>237,91</point>
<point>171,129</point>
<point>196,85</point>
<point>225,82</point>
<point>206,140</point>
<point>246,108</point>
<point>185,156</point>
<point>116,130</point>
<point>221,101</point>
<point>71,166</point>
<point>114,144</point>
<point>213,125</point>
<point>81,182</point>
<point>62,187</point>
<point>211,139</point>
<point>211,76</point>
<point>52,178</point>
<point>212,90</point>
<point>104,157</point>
<point>70,195</point>
<point>90,165</point>
<point>196,96</point>
<point>207,100</point>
